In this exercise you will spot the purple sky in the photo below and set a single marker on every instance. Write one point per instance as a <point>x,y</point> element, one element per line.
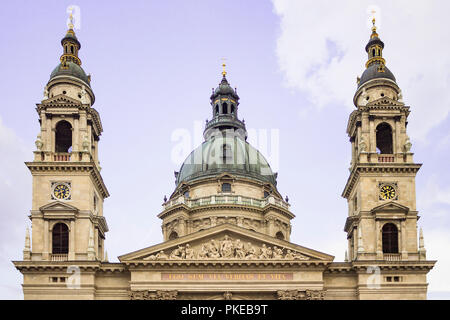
<point>153,64</point>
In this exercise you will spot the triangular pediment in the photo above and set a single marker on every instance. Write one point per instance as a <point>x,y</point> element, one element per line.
<point>61,100</point>
<point>390,207</point>
<point>385,101</point>
<point>58,206</point>
<point>226,242</point>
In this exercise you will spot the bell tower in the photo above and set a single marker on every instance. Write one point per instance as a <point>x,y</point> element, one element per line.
<point>68,189</point>
<point>382,214</point>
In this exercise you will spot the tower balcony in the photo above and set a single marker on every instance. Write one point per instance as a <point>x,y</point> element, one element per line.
<point>392,256</point>
<point>374,157</point>
<point>225,120</point>
<point>59,257</point>
<point>46,156</point>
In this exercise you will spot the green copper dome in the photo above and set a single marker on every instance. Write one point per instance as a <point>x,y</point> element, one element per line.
<point>232,155</point>
<point>72,69</point>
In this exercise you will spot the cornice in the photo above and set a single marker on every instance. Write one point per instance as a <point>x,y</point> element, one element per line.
<point>425,266</point>
<point>56,266</point>
<point>71,166</point>
<point>226,264</point>
<point>377,168</point>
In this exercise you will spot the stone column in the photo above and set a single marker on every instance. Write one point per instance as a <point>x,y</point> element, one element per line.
<point>72,240</point>
<point>45,253</point>
<point>182,227</point>
<point>403,240</point>
<point>378,240</point>
<point>76,135</point>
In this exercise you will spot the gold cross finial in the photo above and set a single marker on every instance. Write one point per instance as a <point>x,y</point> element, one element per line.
<point>71,19</point>
<point>373,17</point>
<point>224,73</point>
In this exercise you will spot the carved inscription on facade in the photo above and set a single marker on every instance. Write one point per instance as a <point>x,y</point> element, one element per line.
<point>227,276</point>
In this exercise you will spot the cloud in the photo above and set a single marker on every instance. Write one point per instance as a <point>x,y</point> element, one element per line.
<point>320,50</point>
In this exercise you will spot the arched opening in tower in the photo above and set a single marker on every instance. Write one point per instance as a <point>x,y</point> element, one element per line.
<point>60,239</point>
<point>390,238</point>
<point>63,139</point>
<point>384,139</point>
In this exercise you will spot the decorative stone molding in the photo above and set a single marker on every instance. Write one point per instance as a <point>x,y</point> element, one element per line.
<point>228,248</point>
<point>153,295</point>
<point>301,295</point>
<point>315,294</point>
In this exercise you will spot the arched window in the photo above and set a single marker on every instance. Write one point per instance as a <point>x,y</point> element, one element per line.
<point>63,140</point>
<point>232,108</point>
<point>373,52</point>
<point>384,138</point>
<point>71,49</point>
<point>224,108</point>
<point>279,235</point>
<point>60,239</point>
<point>390,238</point>
<point>173,235</point>
<point>226,187</point>
<point>217,109</point>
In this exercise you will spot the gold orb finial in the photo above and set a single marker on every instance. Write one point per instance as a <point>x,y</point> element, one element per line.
<point>224,73</point>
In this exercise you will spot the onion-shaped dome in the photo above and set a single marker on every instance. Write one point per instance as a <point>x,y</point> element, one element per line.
<point>232,155</point>
<point>223,89</point>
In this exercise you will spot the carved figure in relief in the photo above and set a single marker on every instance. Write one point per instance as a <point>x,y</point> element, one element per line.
<point>264,252</point>
<point>239,247</point>
<point>250,252</point>
<point>203,254</point>
<point>213,250</point>
<point>289,255</point>
<point>178,253</point>
<point>226,248</point>
<point>189,252</point>
<point>277,253</point>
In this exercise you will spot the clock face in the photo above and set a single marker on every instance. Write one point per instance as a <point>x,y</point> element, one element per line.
<point>387,192</point>
<point>61,191</point>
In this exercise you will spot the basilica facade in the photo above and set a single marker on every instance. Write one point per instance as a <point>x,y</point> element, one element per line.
<point>226,228</point>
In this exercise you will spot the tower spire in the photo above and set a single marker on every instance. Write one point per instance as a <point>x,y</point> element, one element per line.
<point>375,47</point>
<point>70,45</point>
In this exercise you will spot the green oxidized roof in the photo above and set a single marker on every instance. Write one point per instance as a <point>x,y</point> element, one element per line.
<point>72,70</point>
<point>242,160</point>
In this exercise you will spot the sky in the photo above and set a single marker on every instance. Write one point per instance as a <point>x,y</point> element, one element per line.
<point>294,63</point>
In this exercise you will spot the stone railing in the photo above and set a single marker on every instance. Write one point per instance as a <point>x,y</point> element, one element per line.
<point>386,158</point>
<point>224,118</point>
<point>392,256</point>
<point>226,199</point>
<point>59,256</point>
<point>61,156</point>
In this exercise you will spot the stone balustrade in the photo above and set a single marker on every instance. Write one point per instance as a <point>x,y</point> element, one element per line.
<point>226,199</point>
